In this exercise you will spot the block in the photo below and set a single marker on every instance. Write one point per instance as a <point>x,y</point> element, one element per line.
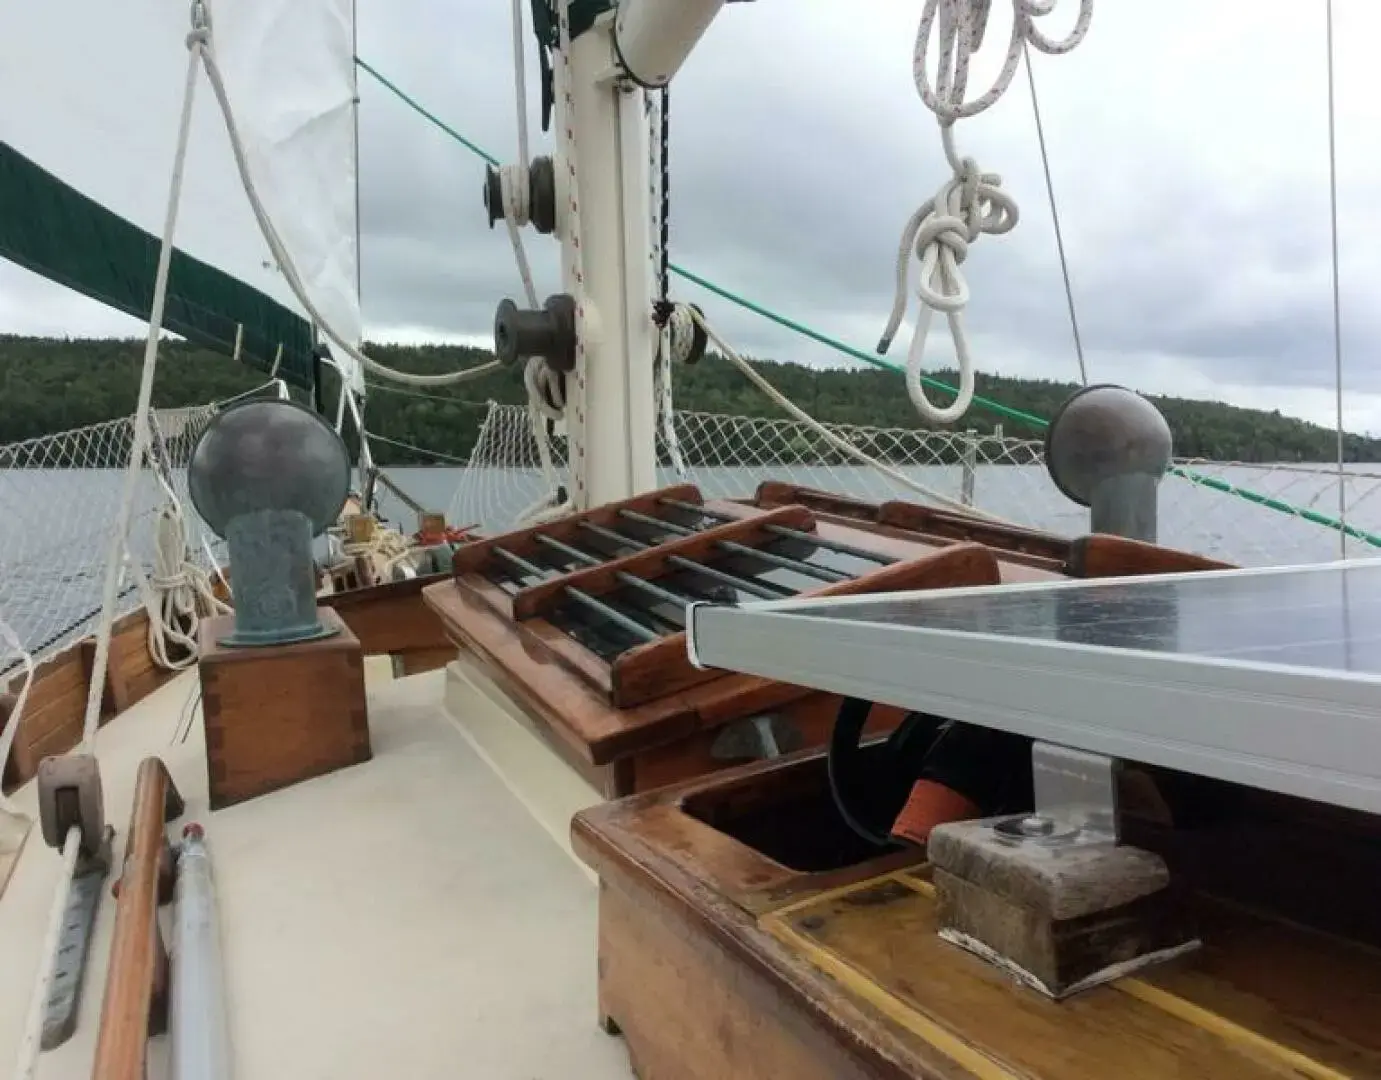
<point>280,714</point>
<point>1059,913</point>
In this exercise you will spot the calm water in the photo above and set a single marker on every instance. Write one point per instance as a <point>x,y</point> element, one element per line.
<point>54,524</point>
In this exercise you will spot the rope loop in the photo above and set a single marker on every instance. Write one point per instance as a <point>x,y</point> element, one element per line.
<point>961,25</point>
<point>971,202</point>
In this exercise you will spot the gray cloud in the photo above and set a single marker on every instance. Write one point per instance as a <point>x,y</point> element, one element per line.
<point>1188,152</point>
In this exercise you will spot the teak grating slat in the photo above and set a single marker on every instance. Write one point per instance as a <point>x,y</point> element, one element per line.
<point>661,667</point>
<point>652,563</point>
<point>479,556</point>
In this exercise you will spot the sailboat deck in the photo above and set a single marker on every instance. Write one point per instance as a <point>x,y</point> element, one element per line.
<point>403,917</point>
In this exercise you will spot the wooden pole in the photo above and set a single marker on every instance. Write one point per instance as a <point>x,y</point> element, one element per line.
<point>137,978</point>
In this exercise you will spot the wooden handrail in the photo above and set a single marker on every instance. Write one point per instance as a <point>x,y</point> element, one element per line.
<point>137,978</point>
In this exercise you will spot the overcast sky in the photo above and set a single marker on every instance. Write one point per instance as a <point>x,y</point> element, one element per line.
<point>1190,161</point>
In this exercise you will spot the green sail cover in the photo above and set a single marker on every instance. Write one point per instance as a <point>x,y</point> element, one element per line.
<point>56,231</point>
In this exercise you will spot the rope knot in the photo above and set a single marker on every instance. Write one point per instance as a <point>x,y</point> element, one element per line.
<point>971,202</point>
<point>200,34</point>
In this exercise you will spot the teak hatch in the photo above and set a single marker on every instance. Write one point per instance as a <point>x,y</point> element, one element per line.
<point>582,619</point>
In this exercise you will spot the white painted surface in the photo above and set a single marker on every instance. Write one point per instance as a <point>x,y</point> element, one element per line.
<point>503,736</point>
<point>405,917</point>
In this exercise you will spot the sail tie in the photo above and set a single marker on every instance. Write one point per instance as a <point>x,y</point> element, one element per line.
<point>971,202</point>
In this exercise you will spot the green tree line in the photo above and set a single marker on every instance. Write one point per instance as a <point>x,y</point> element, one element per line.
<point>49,385</point>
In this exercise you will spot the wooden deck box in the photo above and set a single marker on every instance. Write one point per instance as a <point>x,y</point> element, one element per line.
<point>276,715</point>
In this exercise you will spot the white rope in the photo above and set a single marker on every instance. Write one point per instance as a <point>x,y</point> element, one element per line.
<point>840,444</point>
<point>541,382</point>
<point>387,545</point>
<point>666,404</point>
<point>180,592</point>
<point>384,543</point>
<point>30,1042</point>
<point>971,202</point>
<point>15,648</point>
<point>141,414</point>
<point>677,330</point>
<point>203,47</point>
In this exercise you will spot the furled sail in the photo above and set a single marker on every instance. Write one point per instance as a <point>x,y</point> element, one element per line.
<point>90,95</point>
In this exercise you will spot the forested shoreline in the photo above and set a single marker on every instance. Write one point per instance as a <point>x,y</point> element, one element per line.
<point>49,385</point>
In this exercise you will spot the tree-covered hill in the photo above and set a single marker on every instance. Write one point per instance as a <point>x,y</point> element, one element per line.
<point>49,385</point>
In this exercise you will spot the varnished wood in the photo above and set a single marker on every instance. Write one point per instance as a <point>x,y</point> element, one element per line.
<point>56,707</point>
<point>564,704</point>
<point>647,714</point>
<point>391,620</point>
<point>478,556</point>
<point>128,1007</point>
<point>857,973</point>
<point>131,672</point>
<point>573,710</point>
<point>915,518</point>
<point>971,528</point>
<point>53,713</point>
<point>542,641</point>
<point>662,667</point>
<point>417,661</point>
<point>1100,556</point>
<point>536,600</point>
<point>1016,565</point>
<point>1312,992</point>
<point>280,714</point>
<point>782,493</point>
<point>688,1006</point>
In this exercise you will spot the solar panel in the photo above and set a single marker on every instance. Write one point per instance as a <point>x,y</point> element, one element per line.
<point>1264,677</point>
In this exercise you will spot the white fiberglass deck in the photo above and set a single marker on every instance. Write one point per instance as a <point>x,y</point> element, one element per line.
<point>403,918</point>
<point>1270,678</point>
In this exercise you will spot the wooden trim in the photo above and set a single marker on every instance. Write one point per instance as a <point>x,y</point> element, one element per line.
<point>129,1009</point>
<point>957,526</point>
<point>661,667</point>
<point>541,640</point>
<point>573,710</point>
<point>385,590</point>
<point>781,493</point>
<point>390,619</point>
<point>925,523</point>
<point>1100,555</point>
<point>478,556</point>
<point>541,598</point>
<point>494,597</point>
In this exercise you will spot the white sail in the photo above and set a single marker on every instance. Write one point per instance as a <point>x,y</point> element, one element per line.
<point>91,92</point>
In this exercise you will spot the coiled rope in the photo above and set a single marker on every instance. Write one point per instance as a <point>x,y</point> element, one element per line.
<point>181,591</point>
<point>971,202</point>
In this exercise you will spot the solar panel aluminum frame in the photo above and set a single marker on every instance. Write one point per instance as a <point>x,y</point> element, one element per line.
<point>1298,731</point>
